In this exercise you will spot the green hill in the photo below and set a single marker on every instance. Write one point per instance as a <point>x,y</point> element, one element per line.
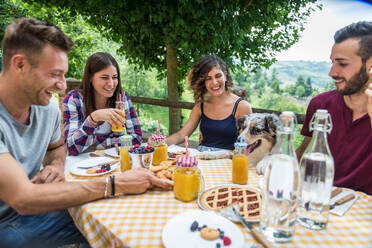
<point>288,71</point>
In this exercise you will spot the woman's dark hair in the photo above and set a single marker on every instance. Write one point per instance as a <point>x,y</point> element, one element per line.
<point>96,63</point>
<point>199,72</point>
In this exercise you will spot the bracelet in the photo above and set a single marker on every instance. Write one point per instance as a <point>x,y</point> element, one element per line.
<point>94,122</point>
<point>112,178</point>
<point>106,186</point>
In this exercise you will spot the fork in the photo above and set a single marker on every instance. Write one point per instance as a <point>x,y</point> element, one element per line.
<point>99,165</point>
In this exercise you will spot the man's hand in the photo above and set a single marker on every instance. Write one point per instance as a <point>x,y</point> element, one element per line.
<point>50,174</point>
<point>137,181</point>
<point>368,92</point>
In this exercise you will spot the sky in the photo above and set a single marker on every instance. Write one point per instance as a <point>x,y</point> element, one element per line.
<point>317,38</point>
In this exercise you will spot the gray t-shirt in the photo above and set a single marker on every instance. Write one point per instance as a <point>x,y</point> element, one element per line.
<point>28,143</point>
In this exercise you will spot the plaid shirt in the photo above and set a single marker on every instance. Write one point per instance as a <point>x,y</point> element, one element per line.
<point>79,132</point>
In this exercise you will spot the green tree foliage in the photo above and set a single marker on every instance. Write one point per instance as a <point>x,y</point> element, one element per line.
<point>86,37</point>
<point>308,87</point>
<point>171,35</point>
<point>244,33</point>
<point>274,82</point>
<point>330,86</point>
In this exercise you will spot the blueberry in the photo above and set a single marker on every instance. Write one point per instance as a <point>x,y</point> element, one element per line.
<point>204,226</point>
<point>194,226</point>
<point>218,245</point>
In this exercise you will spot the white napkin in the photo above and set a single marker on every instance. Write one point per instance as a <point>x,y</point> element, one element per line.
<point>340,210</point>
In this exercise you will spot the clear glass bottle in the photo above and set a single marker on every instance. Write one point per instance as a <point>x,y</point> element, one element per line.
<point>317,172</point>
<point>281,185</point>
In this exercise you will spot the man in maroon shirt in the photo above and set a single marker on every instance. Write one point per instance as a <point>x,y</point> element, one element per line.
<point>350,106</point>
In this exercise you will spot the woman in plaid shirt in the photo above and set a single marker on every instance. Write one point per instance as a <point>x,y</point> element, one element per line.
<point>89,112</point>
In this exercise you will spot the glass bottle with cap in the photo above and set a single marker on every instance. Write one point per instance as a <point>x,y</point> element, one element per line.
<point>126,143</point>
<point>188,180</point>
<point>281,185</point>
<point>317,172</point>
<point>240,163</point>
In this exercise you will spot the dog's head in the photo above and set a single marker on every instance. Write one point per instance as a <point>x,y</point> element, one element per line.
<point>259,132</point>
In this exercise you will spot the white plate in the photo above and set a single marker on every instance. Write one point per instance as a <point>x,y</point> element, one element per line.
<point>175,148</point>
<point>83,172</point>
<point>87,163</point>
<point>177,233</point>
<point>112,152</point>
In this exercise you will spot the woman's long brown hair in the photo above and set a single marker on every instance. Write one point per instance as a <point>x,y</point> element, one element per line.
<point>95,63</point>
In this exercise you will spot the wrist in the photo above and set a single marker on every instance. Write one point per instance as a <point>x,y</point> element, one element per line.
<point>92,120</point>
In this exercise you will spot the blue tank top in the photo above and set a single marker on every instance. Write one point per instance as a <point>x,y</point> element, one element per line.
<point>219,133</point>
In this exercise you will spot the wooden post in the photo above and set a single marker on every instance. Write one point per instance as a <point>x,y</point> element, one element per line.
<point>173,93</point>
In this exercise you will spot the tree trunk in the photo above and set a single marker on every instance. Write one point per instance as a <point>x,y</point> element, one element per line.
<point>173,94</point>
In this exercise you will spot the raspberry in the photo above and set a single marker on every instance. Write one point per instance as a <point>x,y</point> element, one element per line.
<point>226,240</point>
<point>131,150</point>
<point>136,146</point>
<point>99,170</point>
<point>147,147</point>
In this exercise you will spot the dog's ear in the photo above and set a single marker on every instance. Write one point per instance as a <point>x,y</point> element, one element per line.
<point>272,122</point>
<point>240,123</point>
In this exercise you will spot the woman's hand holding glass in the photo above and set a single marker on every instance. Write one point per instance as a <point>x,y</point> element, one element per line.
<point>115,117</point>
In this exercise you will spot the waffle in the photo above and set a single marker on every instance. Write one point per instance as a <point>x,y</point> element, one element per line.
<point>248,200</point>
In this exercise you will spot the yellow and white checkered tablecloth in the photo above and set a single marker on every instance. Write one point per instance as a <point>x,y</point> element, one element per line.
<point>138,220</point>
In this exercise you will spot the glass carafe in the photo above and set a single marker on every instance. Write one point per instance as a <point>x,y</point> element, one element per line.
<point>317,172</point>
<point>281,185</point>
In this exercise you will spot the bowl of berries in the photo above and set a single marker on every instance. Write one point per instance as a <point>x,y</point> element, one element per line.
<point>141,156</point>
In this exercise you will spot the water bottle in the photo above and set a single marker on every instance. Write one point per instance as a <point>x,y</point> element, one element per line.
<point>317,172</point>
<point>281,185</point>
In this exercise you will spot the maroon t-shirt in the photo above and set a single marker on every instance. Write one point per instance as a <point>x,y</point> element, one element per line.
<point>350,142</point>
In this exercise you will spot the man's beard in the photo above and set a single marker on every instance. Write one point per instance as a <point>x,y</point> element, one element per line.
<point>356,83</point>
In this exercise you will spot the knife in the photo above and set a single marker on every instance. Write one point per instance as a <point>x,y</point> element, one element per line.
<point>255,233</point>
<point>117,149</point>
<point>342,200</point>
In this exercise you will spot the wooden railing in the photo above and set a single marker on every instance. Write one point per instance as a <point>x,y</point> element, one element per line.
<point>74,83</point>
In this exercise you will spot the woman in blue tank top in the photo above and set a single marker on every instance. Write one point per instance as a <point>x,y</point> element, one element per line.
<point>216,107</point>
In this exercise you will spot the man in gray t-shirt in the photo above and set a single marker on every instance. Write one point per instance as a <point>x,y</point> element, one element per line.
<point>28,143</point>
<point>32,201</point>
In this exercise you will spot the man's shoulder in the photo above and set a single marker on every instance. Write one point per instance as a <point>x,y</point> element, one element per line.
<point>327,97</point>
<point>50,109</point>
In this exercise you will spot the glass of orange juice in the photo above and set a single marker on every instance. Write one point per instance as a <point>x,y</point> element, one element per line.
<point>188,180</point>
<point>126,143</point>
<point>240,163</point>
<point>161,148</point>
<point>119,127</point>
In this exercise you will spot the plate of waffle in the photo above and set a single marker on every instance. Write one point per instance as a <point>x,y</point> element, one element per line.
<point>219,197</point>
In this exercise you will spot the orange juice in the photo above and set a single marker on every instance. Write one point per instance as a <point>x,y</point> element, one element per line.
<point>119,128</point>
<point>124,159</point>
<point>240,169</point>
<point>160,154</point>
<point>186,183</point>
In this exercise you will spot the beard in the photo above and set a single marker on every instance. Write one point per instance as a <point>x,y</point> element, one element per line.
<point>356,83</point>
